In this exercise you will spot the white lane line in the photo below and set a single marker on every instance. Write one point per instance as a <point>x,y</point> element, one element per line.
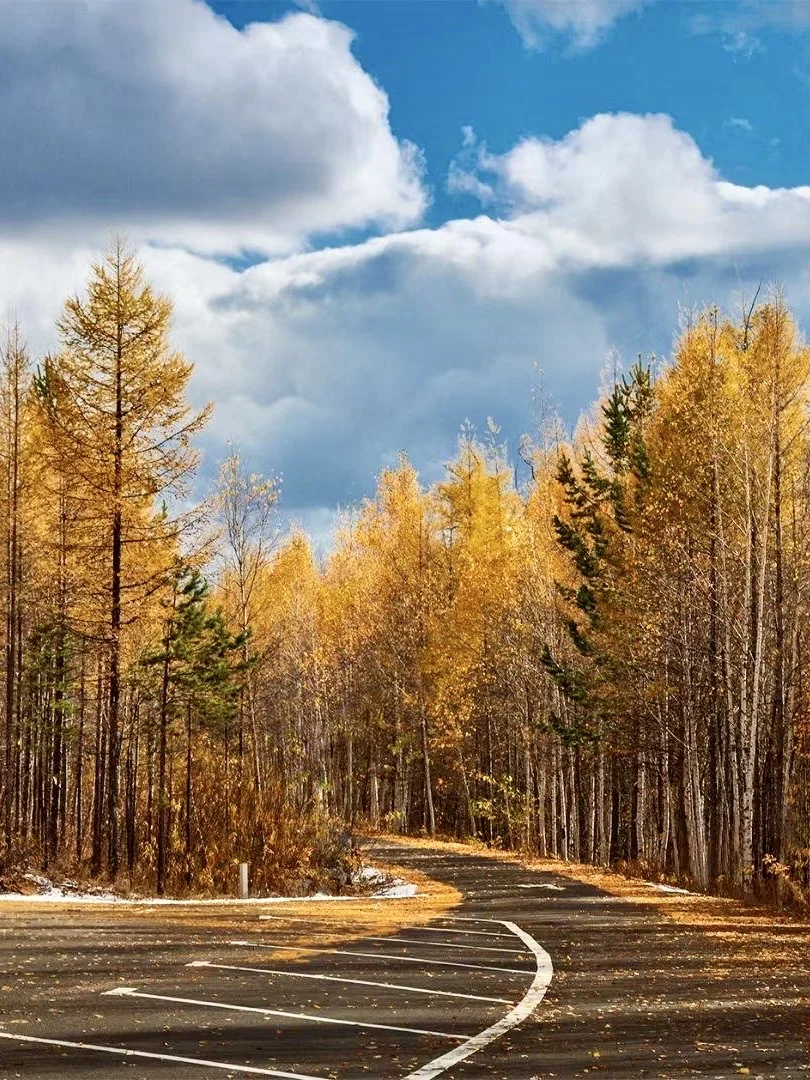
<point>524,1008</point>
<point>122,1051</point>
<point>469,918</point>
<point>355,982</point>
<point>131,991</point>
<point>450,930</point>
<point>380,956</point>
<point>444,945</point>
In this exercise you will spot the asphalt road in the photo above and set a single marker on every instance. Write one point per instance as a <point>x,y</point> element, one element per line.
<point>468,996</point>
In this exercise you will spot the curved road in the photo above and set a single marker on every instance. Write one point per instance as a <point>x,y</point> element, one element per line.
<point>469,995</point>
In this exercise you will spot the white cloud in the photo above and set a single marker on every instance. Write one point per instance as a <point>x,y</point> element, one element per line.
<point>741,26</point>
<point>585,21</point>
<point>325,364</point>
<point>164,119</point>
<point>740,42</point>
<point>624,188</point>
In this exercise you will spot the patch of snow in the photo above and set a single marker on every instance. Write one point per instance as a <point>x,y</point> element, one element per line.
<point>69,893</point>
<point>667,888</point>
<point>544,885</point>
<point>388,888</point>
<point>37,879</point>
<point>319,896</point>
<point>370,875</point>
<point>397,890</point>
<point>57,896</point>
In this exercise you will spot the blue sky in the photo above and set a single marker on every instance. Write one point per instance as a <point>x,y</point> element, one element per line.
<point>735,79</point>
<point>449,63</point>
<point>379,218</point>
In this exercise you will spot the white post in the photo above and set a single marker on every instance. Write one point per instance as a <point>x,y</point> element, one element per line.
<point>243,881</point>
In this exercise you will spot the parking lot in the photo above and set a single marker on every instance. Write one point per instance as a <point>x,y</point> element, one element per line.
<point>469,994</point>
<point>107,997</point>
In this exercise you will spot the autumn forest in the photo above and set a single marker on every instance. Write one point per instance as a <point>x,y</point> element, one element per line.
<point>594,650</point>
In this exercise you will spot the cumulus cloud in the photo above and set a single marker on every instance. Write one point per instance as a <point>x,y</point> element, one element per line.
<point>349,354</point>
<point>324,364</point>
<point>584,21</point>
<point>165,119</point>
<point>624,188</point>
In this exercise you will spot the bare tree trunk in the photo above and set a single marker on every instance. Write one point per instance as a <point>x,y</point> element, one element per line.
<point>14,363</point>
<point>431,812</point>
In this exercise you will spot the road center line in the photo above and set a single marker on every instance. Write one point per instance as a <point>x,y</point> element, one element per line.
<point>355,982</point>
<point>524,1008</point>
<point>380,956</point>
<point>122,1051</point>
<point>131,991</point>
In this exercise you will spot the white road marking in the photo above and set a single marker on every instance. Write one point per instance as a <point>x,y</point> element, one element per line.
<point>122,1051</point>
<point>355,982</point>
<point>470,918</point>
<point>443,945</point>
<point>544,885</point>
<point>524,1008</point>
<point>449,930</point>
<point>380,956</point>
<point>315,1018</point>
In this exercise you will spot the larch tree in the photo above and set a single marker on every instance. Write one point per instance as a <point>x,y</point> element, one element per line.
<point>15,373</point>
<point>604,662</point>
<point>396,535</point>
<point>117,397</point>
